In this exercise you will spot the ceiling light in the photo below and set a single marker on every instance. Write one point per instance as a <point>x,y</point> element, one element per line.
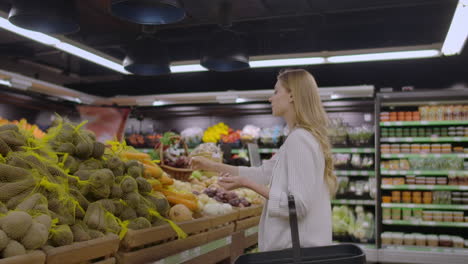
<point>240,100</point>
<point>20,83</point>
<point>334,96</point>
<point>36,36</point>
<point>148,12</point>
<point>158,103</point>
<point>46,16</point>
<point>286,62</point>
<point>5,82</point>
<point>225,51</point>
<point>458,31</point>
<point>187,68</point>
<point>90,57</point>
<point>147,56</point>
<point>397,55</point>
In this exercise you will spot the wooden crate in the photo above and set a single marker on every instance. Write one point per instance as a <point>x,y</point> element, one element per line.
<point>36,257</point>
<point>247,223</point>
<point>98,251</point>
<point>251,211</point>
<point>140,246</point>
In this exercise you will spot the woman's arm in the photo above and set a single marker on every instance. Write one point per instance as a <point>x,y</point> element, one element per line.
<point>233,182</point>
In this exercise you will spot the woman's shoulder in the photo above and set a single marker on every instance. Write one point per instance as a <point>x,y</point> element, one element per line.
<point>301,136</point>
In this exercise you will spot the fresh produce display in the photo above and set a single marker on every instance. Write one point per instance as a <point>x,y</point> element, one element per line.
<point>353,161</point>
<point>23,124</point>
<point>271,137</point>
<point>341,134</point>
<point>355,189</point>
<point>67,188</point>
<point>233,137</point>
<point>213,134</point>
<point>349,225</point>
<point>192,136</point>
<point>250,133</point>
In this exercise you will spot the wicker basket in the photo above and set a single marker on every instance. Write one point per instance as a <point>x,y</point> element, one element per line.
<point>176,173</point>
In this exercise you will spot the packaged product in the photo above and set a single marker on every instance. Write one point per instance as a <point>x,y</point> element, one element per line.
<point>387,238</point>
<point>397,238</point>
<point>432,240</point>
<point>420,240</point>
<point>445,241</point>
<point>427,216</point>
<point>447,217</point>
<point>458,242</point>
<point>409,239</point>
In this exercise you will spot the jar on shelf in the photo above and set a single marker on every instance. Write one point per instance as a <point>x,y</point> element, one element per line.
<point>458,216</point>
<point>441,181</point>
<point>427,216</point>
<point>446,148</point>
<point>405,148</point>
<point>420,180</point>
<point>385,148</point>
<point>395,148</point>
<point>445,241</point>
<point>416,116</point>
<point>387,238</point>
<point>397,238</point>
<point>409,240</point>
<point>386,199</point>
<point>410,179</point>
<point>398,181</point>
<point>437,216</point>
<point>406,213</point>
<point>396,197</point>
<point>458,242</point>
<point>420,240</point>
<point>436,148</point>
<point>386,213</point>
<point>425,148</point>
<point>448,216</point>
<point>387,181</point>
<point>406,197</point>
<point>432,240</point>
<point>430,180</point>
<point>418,213</point>
<point>396,213</point>
<point>384,116</point>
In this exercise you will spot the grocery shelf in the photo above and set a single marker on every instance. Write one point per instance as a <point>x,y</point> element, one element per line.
<point>424,123</point>
<point>424,139</point>
<point>420,172</point>
<point>425,223</point>
<point>426,206</point>
<point>424,155</point>
<point>353,150</point>
<point>422,255</point>
<point>353,202</point>
<point>354,173</point>
<point>425,187</point>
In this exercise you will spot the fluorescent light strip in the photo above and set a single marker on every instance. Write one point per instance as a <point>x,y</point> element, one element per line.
<point>187,68</point>
<point>287,62</point>
<point>5,82</point>
<point>458,31</point>
<point>91,57</point>
<point>397,55</point>
<point>54,42</point>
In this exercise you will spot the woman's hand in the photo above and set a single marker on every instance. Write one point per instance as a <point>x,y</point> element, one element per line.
<point>229,182</point>
<point>201,163</point>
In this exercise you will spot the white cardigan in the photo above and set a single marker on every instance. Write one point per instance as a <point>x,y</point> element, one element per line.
<point>298,167</point>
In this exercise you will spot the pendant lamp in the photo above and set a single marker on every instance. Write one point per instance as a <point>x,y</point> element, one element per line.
<point>148,12</point>
<point>147,56</point>
<point>225,50</point>
<point>46,16</point>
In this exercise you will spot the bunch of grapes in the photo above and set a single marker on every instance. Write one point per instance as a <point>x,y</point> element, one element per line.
<point>224,196</point>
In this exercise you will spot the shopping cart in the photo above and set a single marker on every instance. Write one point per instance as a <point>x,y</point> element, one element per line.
<point>335,254</point>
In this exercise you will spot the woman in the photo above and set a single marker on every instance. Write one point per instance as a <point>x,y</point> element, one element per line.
<point>303,166</point>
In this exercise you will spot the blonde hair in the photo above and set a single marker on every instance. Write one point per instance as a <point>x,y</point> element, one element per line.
<point>310,115</point>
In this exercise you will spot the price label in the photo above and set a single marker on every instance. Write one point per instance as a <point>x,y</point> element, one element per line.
<point>398,123</point>
<point>411,206</point>
<point>386,156</point>
<point>368,150</point>
<point>417,172</point>
<point>387,123</point>
<point>354,173</point>
<point>437,155</point>
<point>403,172</point>
<point>392,172</point>
<point>354,150</point>
<point>392,139</point>
<point>365,173</point>
<point>184,256</point>
<point>424,123</point>
<point>196,252</point>
<point>412,186</point>
<point>457,139</point>
<point>409,139</point>
<point>400,155</point>
<point>430,187</point>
